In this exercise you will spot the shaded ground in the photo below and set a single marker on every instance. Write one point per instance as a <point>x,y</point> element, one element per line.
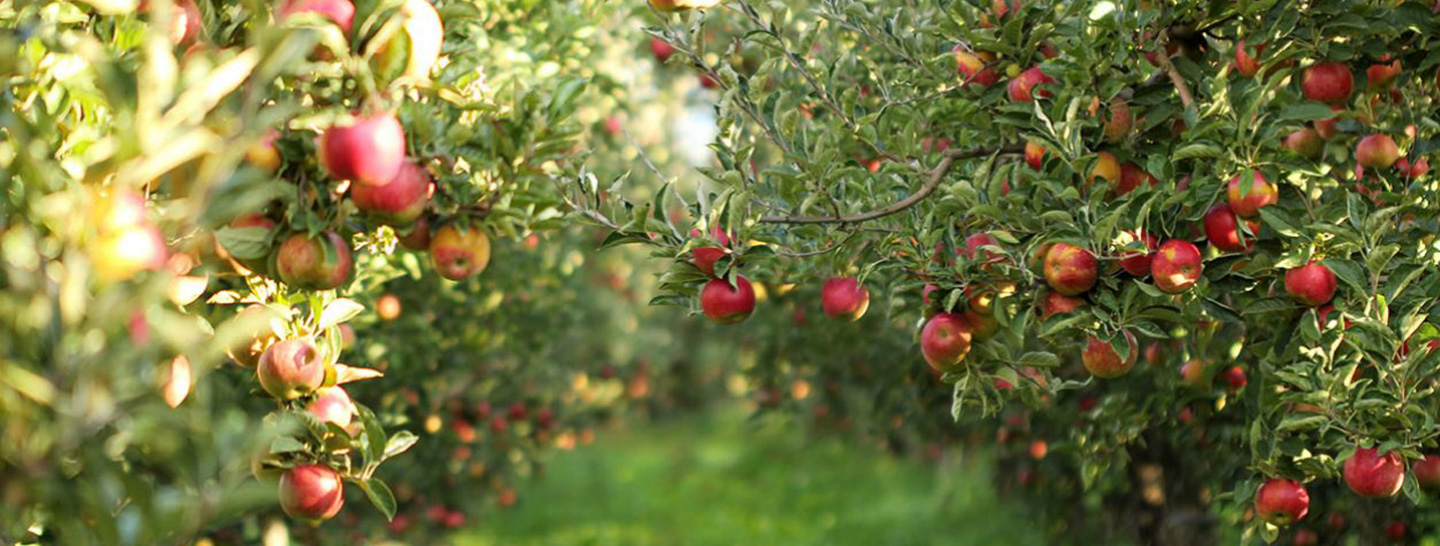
<point>720,480</point>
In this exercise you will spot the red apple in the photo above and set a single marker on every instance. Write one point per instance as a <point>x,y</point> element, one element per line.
<point>1176,266</point>
<point>1396,531</point>
<point>418,237</point>
<point>1377,152</point>
<point>1327,82</point>
<point>1103,361</point>
<point>1311,284</point>
<point>1245,64</point>
<point>459,253</point>
<point>945,340</point>
<point>1382,75</point>
<point>1034,155</point>
<point>1327,128</point>
<point>1106,167</point>
<point>1427,473</point>
<point>1235,378</point>
<point>1246,204</point>
<point>977,240</point>
<point>975,67</point>
<point>727,304</point>
<point>1120,122</point>
<point>367,150</point>
<point>1372,475</point>
<point>1193,372</point>
<point>399,202</point>
<point>662,49</point>
<point>844,298</point>
<point>1306,143</point>
<point>1057,303</point>
<point>322,262</point>
<point>290,369</point>
<point>1021,86</point>
<point>706,256</point>
<point>1282,502</point>
<point>332,405</point>
<point>340,12</point>
<point>311,492</point>
<point>1131,177</point>
<point>1305,537</point>
<point>1222,230</point>
<point>1069,269</point>
<point>1416,170</point>
<point>1138,263</point>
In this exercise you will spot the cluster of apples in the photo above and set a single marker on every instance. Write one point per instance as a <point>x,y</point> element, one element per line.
<point>1368,473</point>
<point>843,298</point>
<point>366,152</point>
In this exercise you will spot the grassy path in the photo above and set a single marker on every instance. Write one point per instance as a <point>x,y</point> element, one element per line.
<point>723,481</point>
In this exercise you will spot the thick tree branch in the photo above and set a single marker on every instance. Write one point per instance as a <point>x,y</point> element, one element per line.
<point>932,181</point>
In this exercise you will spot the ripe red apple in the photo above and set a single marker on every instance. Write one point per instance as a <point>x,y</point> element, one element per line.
<point>1020,87</point>
<point>1382,75</point>
<point>311,492</point>
<point>977,240</point>
<point>260,323</point>
<point>708,82</point>
<point>1176,266</point>
<point>1038,449</point>
<point>415,49</point>
<point>1427,473</point>
<point>387,307</point>
<point>844,298</point>
<point>1069,269</point>
<point>1281,501</point>
<point>340,12</point>
<point>1118,126</point>
<point>1222,229</point>
<point>1396,531</point>
<point>1306,143</point>
<point>1138,263</point>
<point>1245,64</point>
<point>662,49</point>
<point>1131,177</point>
<point>1372,475</point>
<point>367,150</point>
<point>1305,537</point>
<point>725,304</point>
<point>459,253</point>
<point>974,67</point>
<point>332,405</point>
<point>418,237</point>
<point>1235,378</point>
<point>1247,204</point>
<point>705,257</point>
<point>290,369</point>
<point>1034,155</point>
<point>1416,170</point>
<point>1103,361</point>
<point>1311,284</point>
<point>1328,128</point>
<point>1105,167</point>
<point>322,262</point>
<point>1377,152</point>
<point>1327,82</point>
<point>399,202</point>
<point>945,340</point>
<point>1056,303</point>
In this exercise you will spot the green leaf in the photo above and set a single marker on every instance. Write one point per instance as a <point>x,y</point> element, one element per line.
<point>399,443</point>
<point>1039,359</point>
<point>1307,111</point>
<point>380,496</point>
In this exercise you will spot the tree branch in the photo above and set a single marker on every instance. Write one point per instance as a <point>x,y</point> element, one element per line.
<point>1175,77</point>
<point>932,181</point>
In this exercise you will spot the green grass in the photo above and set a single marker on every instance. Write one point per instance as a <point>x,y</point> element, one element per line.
<point>723,481</point>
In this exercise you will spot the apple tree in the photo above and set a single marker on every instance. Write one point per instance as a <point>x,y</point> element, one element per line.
<point>1035,194</point>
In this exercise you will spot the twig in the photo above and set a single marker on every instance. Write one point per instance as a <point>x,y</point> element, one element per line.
<point>933,181</point>
<point>1175,77</point>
